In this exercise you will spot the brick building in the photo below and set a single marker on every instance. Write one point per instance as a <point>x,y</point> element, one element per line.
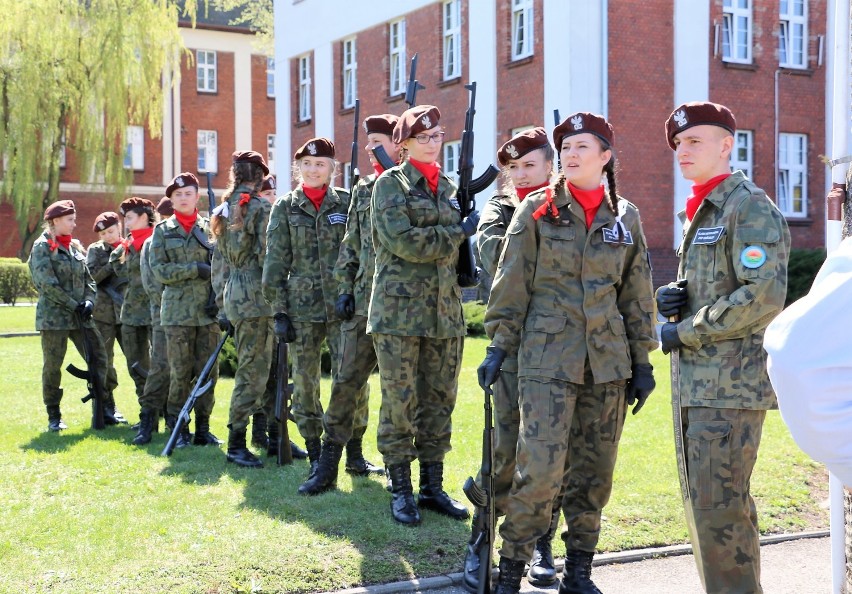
<point>632,60</point>
<point>224,101</point>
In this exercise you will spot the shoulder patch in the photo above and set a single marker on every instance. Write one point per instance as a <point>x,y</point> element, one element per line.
<point>753,256</point>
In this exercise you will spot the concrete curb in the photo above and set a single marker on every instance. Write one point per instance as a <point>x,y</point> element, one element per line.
<point>455,579</point>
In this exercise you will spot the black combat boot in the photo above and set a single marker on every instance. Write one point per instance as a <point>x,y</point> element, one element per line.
<point>297,452</point>
<point>54,418</point>
<point>272,438</point>
<point>314,447</point>
<point>184,438</point>
<point>238,453</point>
<point>577,574</point>
<point>147,418</point>
<point>111,415</point>
<point>511,573</point>
<point>470,573</point>
<point>325,477</point>
<point>259,439</point>
<point>403,507</point>
<point>203,436</point>
<point>542,571</point>
<point>432,495</point>
<point>356,464</point>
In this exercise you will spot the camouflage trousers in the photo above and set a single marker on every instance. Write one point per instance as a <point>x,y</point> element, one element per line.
<point>305,356</point>
<point>348,406</point>
<point>54,344</point>
<point>419,378</point>
<point>109,334</point>
<point>156,391</point>
<point>188,349</point>
<point>136,343</point>
<point>569,434</point>
<point>253,338</point>
<point>721,451</point>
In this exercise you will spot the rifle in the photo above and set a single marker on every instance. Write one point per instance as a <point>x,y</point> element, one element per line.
<point>466,269</point>
<point>202,385</point>
<point>210,308</point>
<point>556,121</point>
<point>483,498</point>
<point>381,155</point>
<point>93,381</point>
<point>112,287</point>
<point>354,174</point>
<point>282,405</point>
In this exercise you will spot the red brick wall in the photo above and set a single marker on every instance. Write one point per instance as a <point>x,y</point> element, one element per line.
<point>262,107</point>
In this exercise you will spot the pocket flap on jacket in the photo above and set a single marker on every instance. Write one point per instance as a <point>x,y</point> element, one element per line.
<point>403,289</point>
<point>548,324</point>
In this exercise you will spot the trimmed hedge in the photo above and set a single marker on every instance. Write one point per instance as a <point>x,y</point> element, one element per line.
<point>15,281</point>
<point>474,316</point>
<point>801,272</point>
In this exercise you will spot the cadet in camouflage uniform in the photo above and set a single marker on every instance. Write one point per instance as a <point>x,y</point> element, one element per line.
<point>573,298</point>
<point>66,293</point>
<point>415,314</point>
<point>733,271</point>
<point>345,420</point>
<point>180,252</point>
<point>239,225</point>
<point>302,243</point>
<point>110,294</point>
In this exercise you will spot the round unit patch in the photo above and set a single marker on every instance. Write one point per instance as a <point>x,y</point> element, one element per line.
<point>753,256</point>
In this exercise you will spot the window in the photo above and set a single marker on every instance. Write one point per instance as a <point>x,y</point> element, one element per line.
<point>397,57</point>
<point>741,155</point>
<point>134,155</point>
<point>522,28</point>
<point>205,69</point>
<point>270,77</point>
<point>792,174</point>
<point>62,152</point>
<point>304,88</point>
<point>207,151</point>
<point>793,37</point>
<point>451,159</point>
<point>736,31</point>
<point>452,39</point>
<point>350,75</point>
<point>270,152</point>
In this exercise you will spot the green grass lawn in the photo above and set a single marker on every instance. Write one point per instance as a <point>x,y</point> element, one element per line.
<point>20,318</point>
<point>86,511</point>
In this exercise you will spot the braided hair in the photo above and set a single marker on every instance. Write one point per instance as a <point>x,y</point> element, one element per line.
<point>242,173</point>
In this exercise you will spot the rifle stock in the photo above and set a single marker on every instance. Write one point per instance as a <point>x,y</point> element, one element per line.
<point>285,455</point>
<point>482,497</point>
<point>383,158</point>
<point>93,382</point>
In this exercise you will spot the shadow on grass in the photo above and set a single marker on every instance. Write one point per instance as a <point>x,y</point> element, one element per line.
<point>51,442</point>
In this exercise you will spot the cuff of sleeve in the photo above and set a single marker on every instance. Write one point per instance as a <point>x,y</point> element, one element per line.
<point>687,334</point>
<point>507,344</point>
<point>346,288</point>
<point>71,304</point>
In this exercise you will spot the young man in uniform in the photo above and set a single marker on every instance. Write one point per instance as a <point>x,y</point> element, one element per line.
<point>733,282</point>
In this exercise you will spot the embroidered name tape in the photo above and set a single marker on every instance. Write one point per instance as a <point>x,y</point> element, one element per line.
<point>611,236</point>
<point>753,256</point>
<point>337,218</point>
<point>708,235</point>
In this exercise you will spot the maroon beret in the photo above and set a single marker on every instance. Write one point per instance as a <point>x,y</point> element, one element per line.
<point>415,120</point>
<point>583,122</point>
<point>522,143</point>
<point>251,157</point>
<point>164,207</point>
<point>698,113</point>
<point>380,124</point>
<point>268,183</point>
<point>181,181</point>
<point>105,220</point>
<point>138,205</point>
<point>60,208</point>
<point>316,147</point>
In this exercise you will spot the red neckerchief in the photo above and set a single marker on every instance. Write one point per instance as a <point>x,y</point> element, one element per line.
<point>700,192</point>
<point>315,195</point>
<point>524,192</point>
<point>187,221</point>
<point>116,244</point>
<point>590,200</point>
<point>430,171</point>
<point>64,241</point>
<point>139,237</point>
<point>378,169</point>
<point>244,198</point>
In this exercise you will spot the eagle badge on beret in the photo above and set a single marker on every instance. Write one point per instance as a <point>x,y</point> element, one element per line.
<point>512,151</point>
<point>427,123</point>
<point>680,118</point>
<point>312,148</point>
<point>577,122</point>
<point>179,180</point>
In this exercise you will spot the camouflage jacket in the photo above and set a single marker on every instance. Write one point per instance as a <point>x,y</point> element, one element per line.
<point>302,246</point>
<point>136,309</point>
<point>564,295</point>
<point>62,280</point>
<point>107,309</point>
<point>734,256</point>
<point>153,287</point>
<point>417,236</point>
<point>174,254</point>
<point>356,263</point>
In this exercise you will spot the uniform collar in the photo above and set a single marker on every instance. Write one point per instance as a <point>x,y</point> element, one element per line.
<point>720,193</point>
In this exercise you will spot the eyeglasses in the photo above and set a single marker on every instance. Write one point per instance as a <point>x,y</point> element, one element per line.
<point>425,138</point>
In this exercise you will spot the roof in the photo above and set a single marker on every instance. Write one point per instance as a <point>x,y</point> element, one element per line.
<point>208,17</point>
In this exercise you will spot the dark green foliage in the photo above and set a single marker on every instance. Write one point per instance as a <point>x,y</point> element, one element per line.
<point>803,267</point>
<point>228,359</point>
<point>15,281</point>
<point>474,315</point>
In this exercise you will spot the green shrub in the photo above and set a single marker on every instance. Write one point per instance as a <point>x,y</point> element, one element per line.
<point>15,281</point>
<point>803,267</point>
<point>228,358</point>
<point>474,316</point>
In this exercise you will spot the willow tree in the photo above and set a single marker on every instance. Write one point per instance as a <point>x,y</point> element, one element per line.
<point>257,15</point>
<point>77,73</point>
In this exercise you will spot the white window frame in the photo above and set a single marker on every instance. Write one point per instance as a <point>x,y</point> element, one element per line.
<point>304,88</point>
<point>396,54</point>
<point>522,29</point>
<point>62,152</point>
<point>134,154</point>
<point>270,77</point>
<point>737,23</point>
<point>208,151</point>
<point>270,152</point>
<point>452,154</point>
<point>793,36</point>
<point>452,39</point>
<point>793,175</point>
<point>742,155</point>
<point>349,60</point>
<point>205,71</point>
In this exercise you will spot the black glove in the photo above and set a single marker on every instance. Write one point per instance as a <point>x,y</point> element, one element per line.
<point>225,324</point>
<point>470,222</point>
<point>489,370</point>
<point>671,298</point>
<point>640,386</point>
<point>284,327</point>
<point>345,306</point>
<point>85,309</point>
<point>669,338</point>
<point>203,269</point>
